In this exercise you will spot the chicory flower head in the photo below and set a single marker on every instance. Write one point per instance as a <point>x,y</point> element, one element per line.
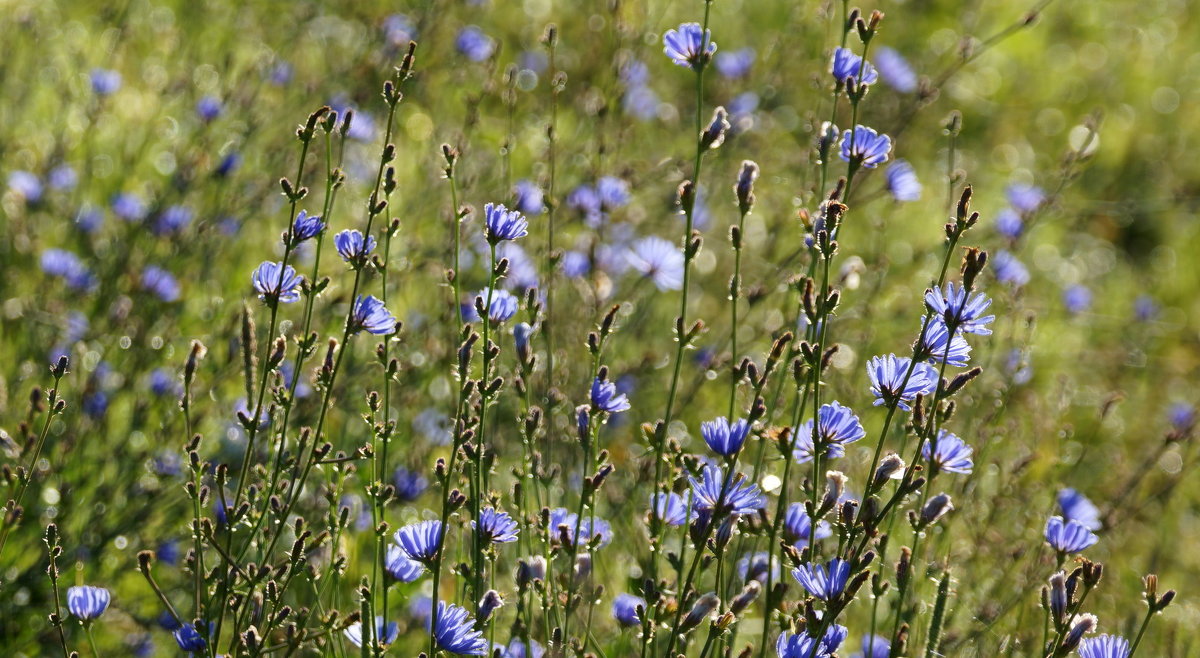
<point>276,282</point>
<point>690,45</point>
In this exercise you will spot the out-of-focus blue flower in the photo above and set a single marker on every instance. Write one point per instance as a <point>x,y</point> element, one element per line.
<point>1009,223</point>
<point>670,508</point>
<point>95,404</point>
<point>87,602</point>
<point>1025,198</point>
<point>641,103</point>
<point>172,219</point>
<point>385,633</point>
<point>690,45</point>
<point>455,631</point>
<point>887,375</point>
<point>277,282</point>
<point>516,648</point>
<point>825,582</point>
<point>1069,536</point>
<point>1009,270</point>
<point>504,224</point>
<point>605,398</point>
<point>562,517</point>
<point>371,315</point>
<point>586,200</point>
<point>495,526</point>
<point>865,146</point>
<point>161,381</point>
<point>64,264</point>
<point>895,70</point>
<point>1182,416</point>
<point>735,64</point>
<point>755,567</point>
<point>89,219</point>
<point>1104,646</point>
<point>723,437</point>
<point>527,197</point>
<point>352,246</point>
<point>27,185</point>
<point>208,108</point>
<point>961,308</point>
<point>902,181</point>
<point>934,345</point>
<point>741,108</point>
<point>613,192</point>
<point>228,164</point>
<point>873,646</point>
<point>129,207</point>
<point>952,454</point>
<point>409,484</point>
<point>474,44</point>
<point>659,259</point>
<point>435,425</point>
<point>1145,308</point>
<point>306,227</point>
<point>837,426</point>
<point>712,494</point>
<point>399,29</point>
<point>1077,298</point>
<point>62,177</point>
<point>797,525</point>
<point>189,639</point>
<point>1076,507</point>
<point>420,541</point>
<point>160,282</point>
<point>503,306</point>
<point>845,67</point>
<point>280,74</point>
<point>105,82</point>
<point>575,264</point>
<point>522,270</point>
<point>167,621</point>
<point>168,552</point>
<point>625,609</point>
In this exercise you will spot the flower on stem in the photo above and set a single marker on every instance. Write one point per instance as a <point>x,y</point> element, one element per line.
<point>87,602</point>
<point>825,582</point>
<point>736,497</point>
<point>370,314</point>
<point>589,528</point>
<point>1080,626</point>
<point>797,526</point>
<point>802,645</point>
<point>660,260</point>
<point>670,508</point>
<point>1068,536</point>
<point>836,427</point>
<point>1076,507</point>
<point>951,454</point>
<point>714,135</point>
<point>353,246</point>
<point>504,224</point>
<point>276,282</point>
<point>306,227</point>
<point>887,375</point>
<point>605,397</point>
<point>756,566</point>
<point>690,45</point>
<point>934,348</point>
<point>400,567</point>
<point>846,66</point>
<point>625,609</point>
<point>960,308</point>
<point>495,526</point>
<point>725,438</point>
<point>189,638</point>
<point>385,633</point>
<point>866,147</point>
<point>503,306</point>
<point>421,541</point>
<point>455,631</point>
<point>1104,646</point>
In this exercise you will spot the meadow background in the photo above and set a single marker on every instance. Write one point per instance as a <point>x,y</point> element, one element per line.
<point>1088,382</point>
